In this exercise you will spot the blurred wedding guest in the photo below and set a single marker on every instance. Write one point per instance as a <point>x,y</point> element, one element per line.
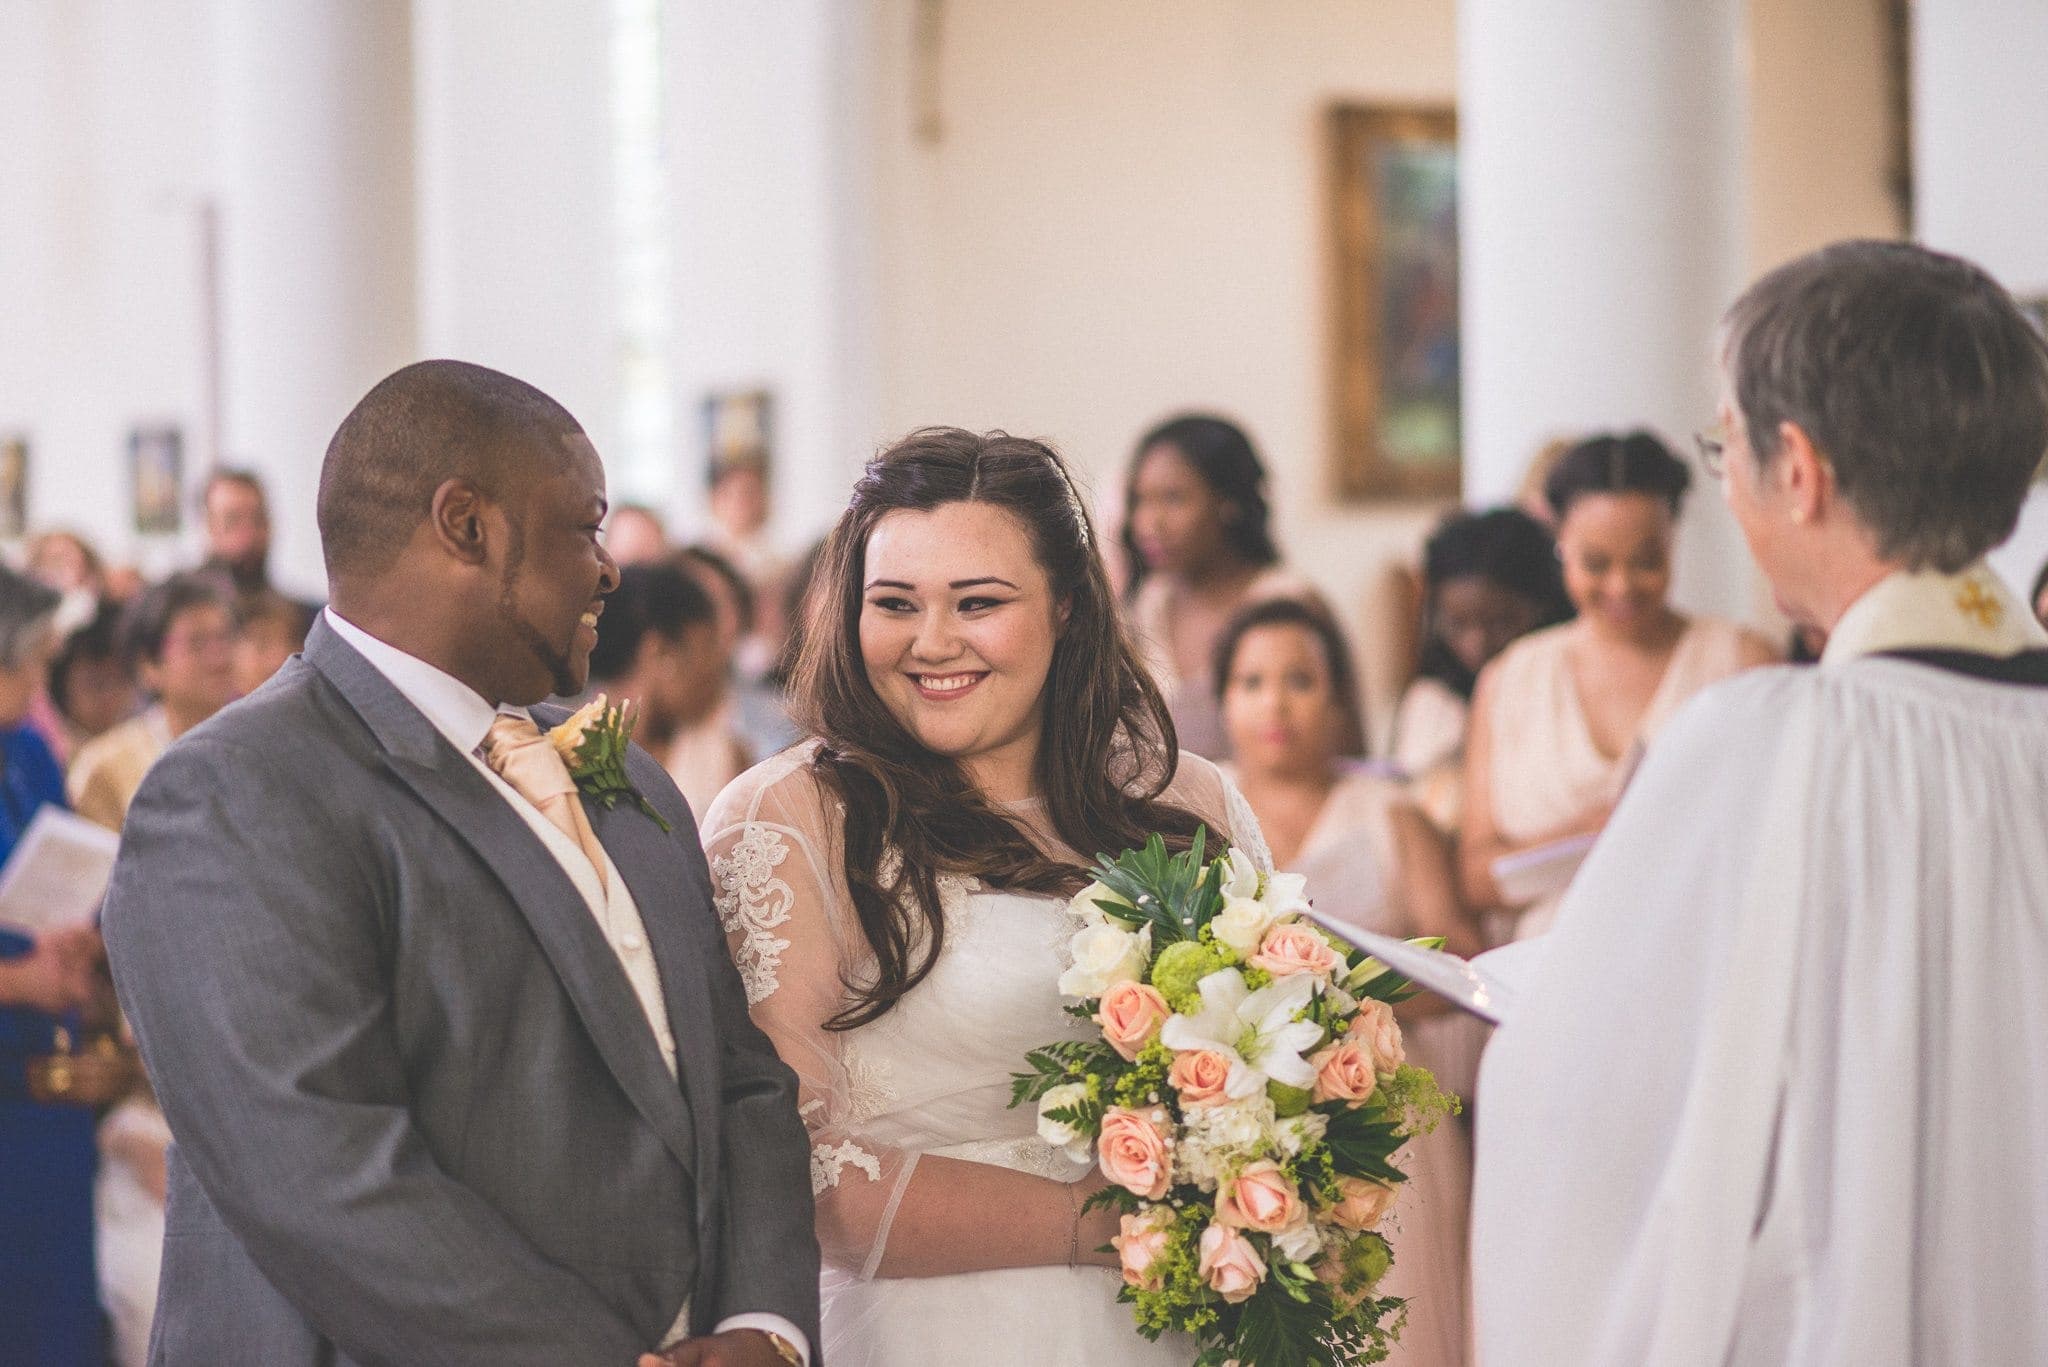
<point>739,522</point>
<point>634,535</point>
<point>90,689</point>
<point>751,655</point>
<point>2039,598</point>
<point>1288,693</point>
<point>657,645</point>
<point>1196,521</point>
<point>269,629</point>
<point>66,562</point>
<point>1488,579</point>
<point>49,1312</point>
<point>237,518</point>
<point>180,638</point>
<point>1561,717</point>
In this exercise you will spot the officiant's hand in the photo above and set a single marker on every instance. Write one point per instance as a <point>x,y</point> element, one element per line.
<point>734,1348</point>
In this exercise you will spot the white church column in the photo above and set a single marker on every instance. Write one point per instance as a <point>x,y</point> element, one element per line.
<point>1602,229</point>
<point>317,231</point>
<point>1981,168</point>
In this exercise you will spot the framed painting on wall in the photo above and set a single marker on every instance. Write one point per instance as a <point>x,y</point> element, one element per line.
<point>1394,229</point>
<point>156,461</point>
<point>13,485</point>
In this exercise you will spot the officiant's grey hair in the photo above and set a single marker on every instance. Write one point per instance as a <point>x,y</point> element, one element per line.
<point>1915,374</point>
<point>415,430</point>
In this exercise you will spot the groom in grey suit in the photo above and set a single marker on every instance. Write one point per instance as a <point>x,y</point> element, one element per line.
<point>451,1083</point>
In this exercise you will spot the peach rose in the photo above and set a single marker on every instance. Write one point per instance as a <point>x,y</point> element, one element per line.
<point>1375,1024</point>
<point>1229,1264</point>
<point>1131,1148</point>
<point>1295,948</point>
<point>1139,1246</point>
<point>1363,1203</point>
<point>1260,1197</point>
<point>1344,1071</point>
<point>1199,1076</point>
<point>1130,1014</point>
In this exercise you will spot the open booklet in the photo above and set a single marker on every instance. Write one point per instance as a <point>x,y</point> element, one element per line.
<point>1486,986</point>
<point>58,872</point>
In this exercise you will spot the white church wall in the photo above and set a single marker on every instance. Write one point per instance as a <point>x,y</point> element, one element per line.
<point>106,154</point>
<point>1981,168</point>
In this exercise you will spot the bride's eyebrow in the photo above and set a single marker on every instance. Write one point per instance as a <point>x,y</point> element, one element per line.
<point>956,585</point>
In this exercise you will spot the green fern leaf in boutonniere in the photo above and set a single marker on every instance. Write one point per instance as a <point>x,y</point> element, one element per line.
<point>593,744</point>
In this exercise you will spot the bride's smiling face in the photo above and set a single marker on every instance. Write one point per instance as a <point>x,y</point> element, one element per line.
<point>957,628</point>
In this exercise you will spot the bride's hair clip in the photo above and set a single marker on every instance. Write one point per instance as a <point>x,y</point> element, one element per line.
<point>1073,499</point>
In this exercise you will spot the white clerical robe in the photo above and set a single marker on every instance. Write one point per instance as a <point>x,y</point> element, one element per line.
<point>1776,1090</point>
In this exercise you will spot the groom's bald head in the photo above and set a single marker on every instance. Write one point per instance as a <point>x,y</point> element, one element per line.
<point>419,428</point>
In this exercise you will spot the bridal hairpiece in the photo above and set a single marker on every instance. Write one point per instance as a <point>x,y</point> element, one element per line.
<point>1073,499</point>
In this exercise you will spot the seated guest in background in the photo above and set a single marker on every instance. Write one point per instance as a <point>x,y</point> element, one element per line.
<point>91,689</point>
<point>762,715</point>
<point>49,1314</point>
<point>1559,720</point>
<point>634,535</point>
<point>269,629</point>
<point>237,531</point>
<point>658,646</point>
<point>1289,702</point>
<point>180,638</point>
<point>1196,522</point>
<point>66,562</point>
<point>1488,579</point>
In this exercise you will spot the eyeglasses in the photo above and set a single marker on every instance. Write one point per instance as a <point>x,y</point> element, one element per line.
<point>1712,445</point>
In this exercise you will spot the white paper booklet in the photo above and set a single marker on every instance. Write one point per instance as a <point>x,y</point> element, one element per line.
<point>1538,872</point>
<point>1466,984</point>
<point>58,872</point>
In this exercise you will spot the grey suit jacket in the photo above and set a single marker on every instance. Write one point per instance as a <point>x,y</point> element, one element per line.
<point>420,1117</point>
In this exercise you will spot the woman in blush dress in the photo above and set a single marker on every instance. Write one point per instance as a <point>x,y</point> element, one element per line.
<point>896,895</point>
<point>1196,526</point>
<point>1371,858</point>
<point>1488,579</point>
<point>1560,718</point>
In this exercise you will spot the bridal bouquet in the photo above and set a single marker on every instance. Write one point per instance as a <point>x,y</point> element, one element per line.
<point>1245,1098</point>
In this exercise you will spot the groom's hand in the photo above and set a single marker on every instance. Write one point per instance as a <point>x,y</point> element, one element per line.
<point>734,1348</point>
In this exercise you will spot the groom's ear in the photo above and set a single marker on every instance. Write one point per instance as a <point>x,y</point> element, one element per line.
<point>457,519</point>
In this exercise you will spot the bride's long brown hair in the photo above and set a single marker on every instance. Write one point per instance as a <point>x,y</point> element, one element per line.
<point>1107,750</point>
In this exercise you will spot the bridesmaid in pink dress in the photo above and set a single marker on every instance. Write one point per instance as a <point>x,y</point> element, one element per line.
<point>1560,717</point>
<point>1289,704</point>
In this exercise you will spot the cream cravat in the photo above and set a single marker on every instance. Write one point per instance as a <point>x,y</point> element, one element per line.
<point>518,753</point>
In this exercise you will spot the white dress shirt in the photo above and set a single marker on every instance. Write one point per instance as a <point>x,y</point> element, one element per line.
<point>464,717</point>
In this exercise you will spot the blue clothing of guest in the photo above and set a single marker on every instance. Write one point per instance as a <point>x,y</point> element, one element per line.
<point>49,1300</point>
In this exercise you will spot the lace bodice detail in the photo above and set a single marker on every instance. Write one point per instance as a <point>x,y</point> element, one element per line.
<point>933,1075</point>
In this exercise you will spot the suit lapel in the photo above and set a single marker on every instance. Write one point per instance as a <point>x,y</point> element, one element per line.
<point>657,876</point>
<point>588,968</point>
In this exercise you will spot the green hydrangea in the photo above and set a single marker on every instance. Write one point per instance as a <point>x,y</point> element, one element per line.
<point>1288,1100</point>
<point>1178,970</point>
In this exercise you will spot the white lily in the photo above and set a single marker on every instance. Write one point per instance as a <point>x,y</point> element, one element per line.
<point>1256,1031</point>
<point>1241,878</point>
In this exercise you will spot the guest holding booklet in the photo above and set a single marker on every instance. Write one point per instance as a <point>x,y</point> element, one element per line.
<point>1560,717</point>
<point>48,1314</point>
<point>1773,1091</point>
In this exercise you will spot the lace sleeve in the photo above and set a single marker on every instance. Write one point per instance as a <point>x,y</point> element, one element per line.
<point>1209,792</point>
<point>770,839</point>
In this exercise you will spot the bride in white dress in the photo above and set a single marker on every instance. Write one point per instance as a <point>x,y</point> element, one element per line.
<point>895,895</point>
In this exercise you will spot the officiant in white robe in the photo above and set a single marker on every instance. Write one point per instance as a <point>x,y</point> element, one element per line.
<point>1776,1090</point>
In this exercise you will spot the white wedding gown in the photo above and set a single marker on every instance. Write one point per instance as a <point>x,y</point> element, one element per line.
<point>932,1077</point>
